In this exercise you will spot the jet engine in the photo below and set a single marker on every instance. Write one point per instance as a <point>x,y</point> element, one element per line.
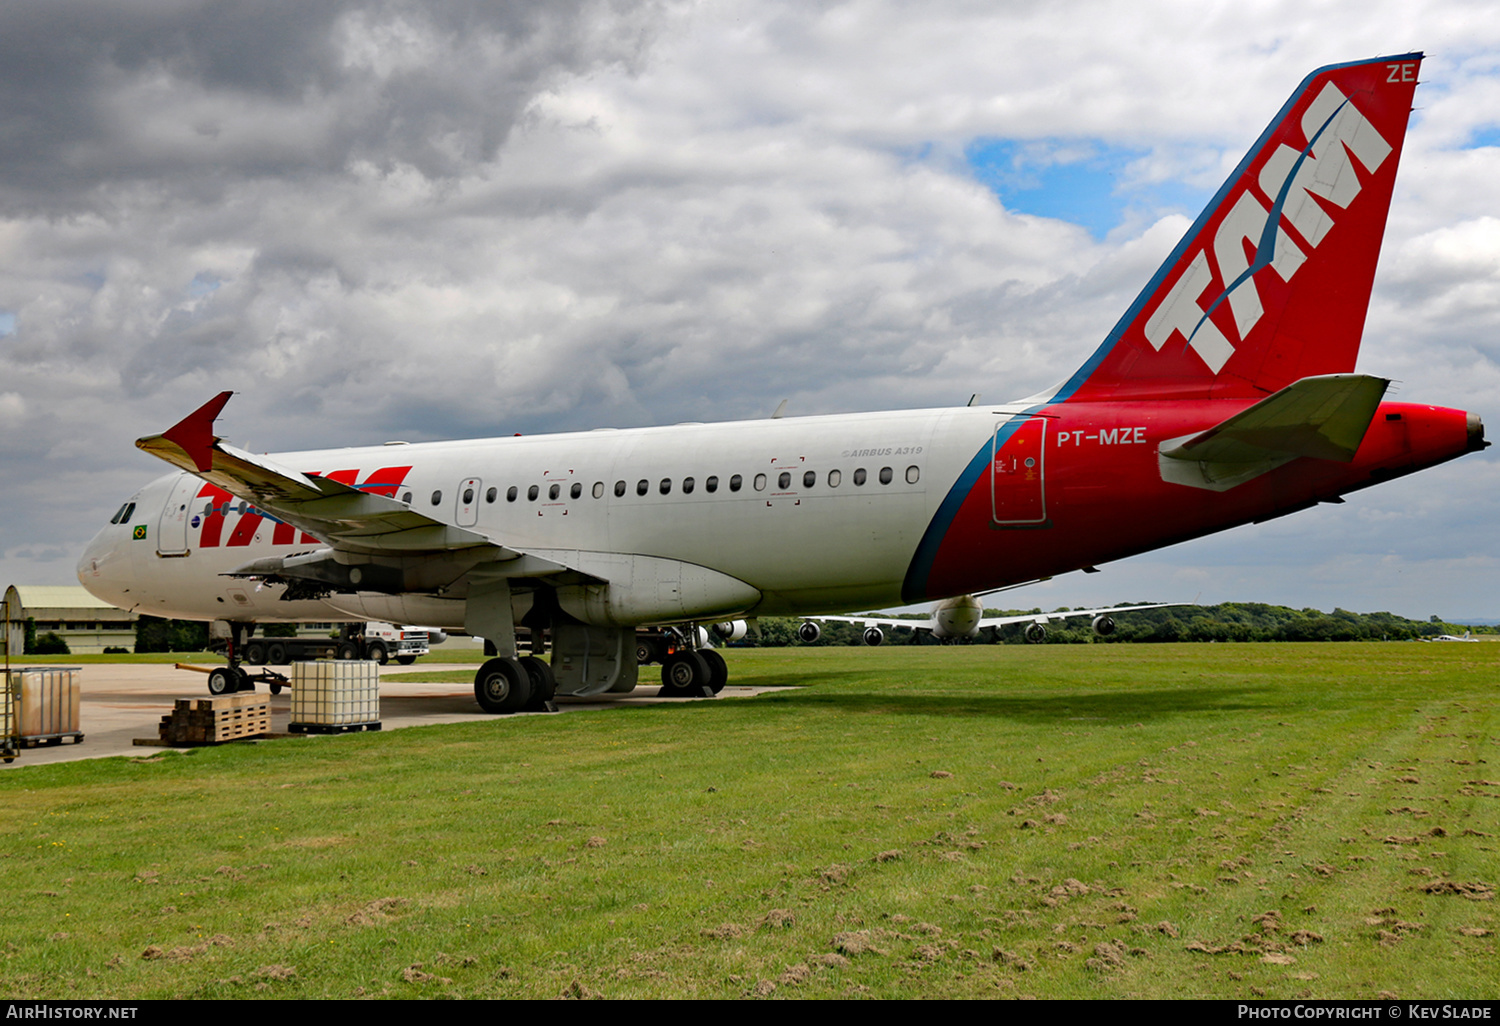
<point>731,630</point>
<point>1104,626</point>
<point>1035,633</point>
<point>874,636</point>
<point>809,632</point>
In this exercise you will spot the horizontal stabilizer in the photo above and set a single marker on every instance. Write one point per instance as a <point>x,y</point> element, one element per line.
<point>1323,417</point>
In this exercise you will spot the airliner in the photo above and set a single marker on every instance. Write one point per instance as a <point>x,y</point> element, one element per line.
<point>1225,395</point>
<point>962,618</point>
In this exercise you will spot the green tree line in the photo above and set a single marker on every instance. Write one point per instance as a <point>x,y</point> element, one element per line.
<point>1225,622</point>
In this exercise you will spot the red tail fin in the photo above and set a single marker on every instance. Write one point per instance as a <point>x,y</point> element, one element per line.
<point>1272,282</point>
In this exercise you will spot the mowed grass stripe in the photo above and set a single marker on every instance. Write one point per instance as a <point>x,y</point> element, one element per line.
<point>1105,820</point>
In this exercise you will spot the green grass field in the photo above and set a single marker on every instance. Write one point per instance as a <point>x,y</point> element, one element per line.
<point>1224,821</point>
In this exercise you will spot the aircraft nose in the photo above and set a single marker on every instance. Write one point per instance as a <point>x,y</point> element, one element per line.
<point>99,569</point>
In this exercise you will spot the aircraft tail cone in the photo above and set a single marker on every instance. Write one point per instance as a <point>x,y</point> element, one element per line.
<point>1476,434</point>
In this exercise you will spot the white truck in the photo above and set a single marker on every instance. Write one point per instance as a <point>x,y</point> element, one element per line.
<point>381,642</point>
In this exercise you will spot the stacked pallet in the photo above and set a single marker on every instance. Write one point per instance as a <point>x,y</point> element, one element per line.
<point>208,721</point>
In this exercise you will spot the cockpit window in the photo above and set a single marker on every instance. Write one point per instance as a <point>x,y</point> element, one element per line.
<point>122,515</point>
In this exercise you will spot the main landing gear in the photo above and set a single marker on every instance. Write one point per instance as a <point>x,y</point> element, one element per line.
<point>689,674</point>
<point>507,685</point>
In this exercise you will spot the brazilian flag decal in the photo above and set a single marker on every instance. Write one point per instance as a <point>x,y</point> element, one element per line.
<point>140,532</point>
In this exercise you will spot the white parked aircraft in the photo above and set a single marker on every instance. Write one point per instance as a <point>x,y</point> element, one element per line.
<point>1224,395</point>
<point>963,617</point>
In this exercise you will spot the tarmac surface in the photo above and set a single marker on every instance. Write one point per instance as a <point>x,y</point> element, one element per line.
<point>122,702</point>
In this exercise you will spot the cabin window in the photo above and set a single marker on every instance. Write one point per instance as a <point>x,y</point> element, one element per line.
<point>576,490</point>
<point>437,497</point>
<point>532,492</point>
<point>687,486</point>
<point>886,475</point>
<point>406,498</point>
<point>834,477</point>
<point>553,492</point>
<point>735,482</point>
<point>468,496</point>
<point>666,486</point>
<point>859,476</point>
<point>711,484</point>
<point>760,482</point>
<point>784,480</point>
<point>912,475</point>
<point>511,493</point>
<point>619,488</point>
<point>642,486</point>
<point>491,495</point>
<point>809,478</point>
<point>598,489</point>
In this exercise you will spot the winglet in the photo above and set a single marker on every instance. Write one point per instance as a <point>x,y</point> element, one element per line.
<point>194,434</point>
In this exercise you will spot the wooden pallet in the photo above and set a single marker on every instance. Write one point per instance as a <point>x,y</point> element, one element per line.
<point>211,721</point>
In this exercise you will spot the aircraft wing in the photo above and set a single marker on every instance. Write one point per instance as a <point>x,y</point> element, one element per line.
<point>343,516</point>
<point>874,621</point>
<point>1002,621</point>
<point>994,621</point>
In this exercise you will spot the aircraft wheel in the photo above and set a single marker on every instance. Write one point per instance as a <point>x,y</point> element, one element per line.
<point>502,686</point>
<point>379,654</point>
<point>543,683</point>
<point>223,681</point>
<point>348,650</point>
<point>242,679</point>
<point>406,660</point>
<point>718,671</point>
<point>684,675</point>
<point>255,653</point>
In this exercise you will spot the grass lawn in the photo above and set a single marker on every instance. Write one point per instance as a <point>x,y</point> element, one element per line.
<point>1061,821</point>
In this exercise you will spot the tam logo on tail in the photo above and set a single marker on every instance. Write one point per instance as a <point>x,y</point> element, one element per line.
<point>1272,282</point>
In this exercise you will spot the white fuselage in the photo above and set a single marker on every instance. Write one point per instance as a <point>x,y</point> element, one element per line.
<point>809,525</point>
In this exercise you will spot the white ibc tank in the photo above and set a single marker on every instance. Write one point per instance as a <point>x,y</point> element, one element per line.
<point>335,693</point>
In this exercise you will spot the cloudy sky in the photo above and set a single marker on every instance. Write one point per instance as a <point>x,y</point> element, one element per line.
<point>436,220</point>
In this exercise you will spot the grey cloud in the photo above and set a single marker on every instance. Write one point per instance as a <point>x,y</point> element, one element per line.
<point>198,94</point>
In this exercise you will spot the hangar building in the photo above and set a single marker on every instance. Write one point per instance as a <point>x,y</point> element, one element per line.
<point>84,622</point>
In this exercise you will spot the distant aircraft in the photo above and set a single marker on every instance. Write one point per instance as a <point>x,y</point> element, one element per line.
<point>963,617</point>
<point>1225,395</point>
<point>1468,636</point>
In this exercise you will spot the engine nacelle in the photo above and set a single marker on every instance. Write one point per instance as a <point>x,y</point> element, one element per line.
<point>731,630</point>
<point>809,632</point>
<point>874,636</point>
<point>1104,626</point>
<point>1035,633</point>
